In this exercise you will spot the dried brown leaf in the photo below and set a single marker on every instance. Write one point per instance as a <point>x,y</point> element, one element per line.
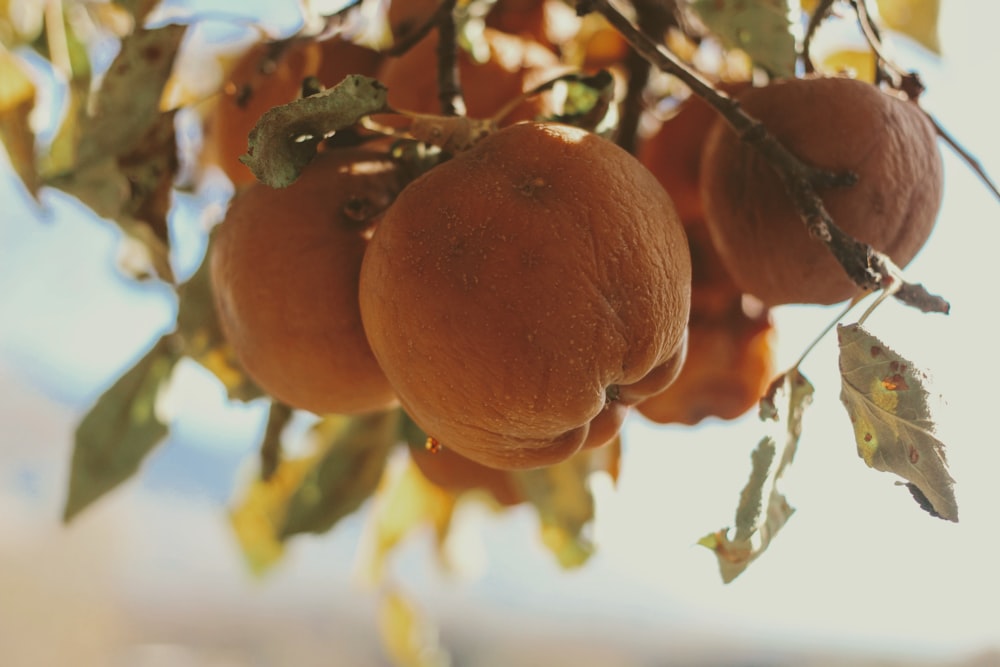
<point>763,510</point>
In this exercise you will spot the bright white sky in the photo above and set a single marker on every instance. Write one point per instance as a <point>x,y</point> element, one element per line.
<point>859,566</point>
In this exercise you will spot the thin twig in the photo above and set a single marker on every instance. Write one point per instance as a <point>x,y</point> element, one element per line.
<point>966,156</point>
<point>270,447</point>
<point>818,16</point>
<point>410,40</point>
<point>907,81</point>
<point>449,86</point>
<point>861,262</point>
<point>654,17</point>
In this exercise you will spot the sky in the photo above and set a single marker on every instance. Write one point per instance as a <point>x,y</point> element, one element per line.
<point>859,567</point>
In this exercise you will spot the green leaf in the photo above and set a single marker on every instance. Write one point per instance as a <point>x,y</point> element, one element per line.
<point>761,28</point>
<point>915,18</point>
<point>120,430</point>
<point>284,140</point>
<point>354,455</point>
<point>885,397</point>
<point>763,510</point>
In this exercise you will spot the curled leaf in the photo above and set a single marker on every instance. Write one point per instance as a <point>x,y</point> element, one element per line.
<point>885,397</point>
<point>285,138</point>
<point>763,510</point>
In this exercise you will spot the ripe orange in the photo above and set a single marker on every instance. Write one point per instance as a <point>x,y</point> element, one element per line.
<point>285,265</point>
<point>521,295</point>
<point>259,82</point>
<point>455,473</point>
<point>516,64</point>
<point>834,123</point>
<point>730,356</point>
<point>673,153</point>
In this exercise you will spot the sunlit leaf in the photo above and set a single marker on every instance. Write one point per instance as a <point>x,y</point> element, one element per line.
<point>259,515</point>
<point>916,18</point>
<point>203,340</point>
<point>859,62</point>
<point>285,138</point>
<point>408,636</point>
<point>354,455</point>
<point>17,100</point>
<point>763,510</point>
<point>120,430</point>
<point>562,497</point>
<point>885,397</point>
<point>128,102</point>
<point>404,503</point>
<point>763,29</point>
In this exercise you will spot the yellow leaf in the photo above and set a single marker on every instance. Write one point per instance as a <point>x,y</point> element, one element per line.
<point>260,516</point>
<point>857,62</point>
<point>407,636</point>
<point>405,503</point>
<point>885,397</point>
<point>17,100</point>
<point>915,18</point>
<point>562,497</point>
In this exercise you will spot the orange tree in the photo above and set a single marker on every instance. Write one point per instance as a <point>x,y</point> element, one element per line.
<point>530,284</point>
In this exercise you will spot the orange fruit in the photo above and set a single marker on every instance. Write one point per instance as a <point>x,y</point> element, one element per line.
<point>261,80</point>
<point>285,265</point>
<point>673,152</point>
<point>837,124</point>
<point>522,295</point>
<point>516,64</point>
<point>730,355</point>
<point>452,472</point>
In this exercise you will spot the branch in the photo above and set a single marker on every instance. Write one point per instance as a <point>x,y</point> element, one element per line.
<point>860,261</point>
<point>969,159</point>
<point>449,87</point>
<point>818,16</point>
<point>908,82</point>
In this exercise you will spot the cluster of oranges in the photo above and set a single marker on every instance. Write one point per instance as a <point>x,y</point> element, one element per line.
<point>520,297</point>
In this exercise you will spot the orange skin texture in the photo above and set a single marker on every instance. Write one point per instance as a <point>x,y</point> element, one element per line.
<point>256,84</point>
<point>730,357</point>
<point>285,266</point>
<point>452,472</point>
<point>673,153</point>
<point>834,123</point>
<point>516,64</point>
<point>526,292</point>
